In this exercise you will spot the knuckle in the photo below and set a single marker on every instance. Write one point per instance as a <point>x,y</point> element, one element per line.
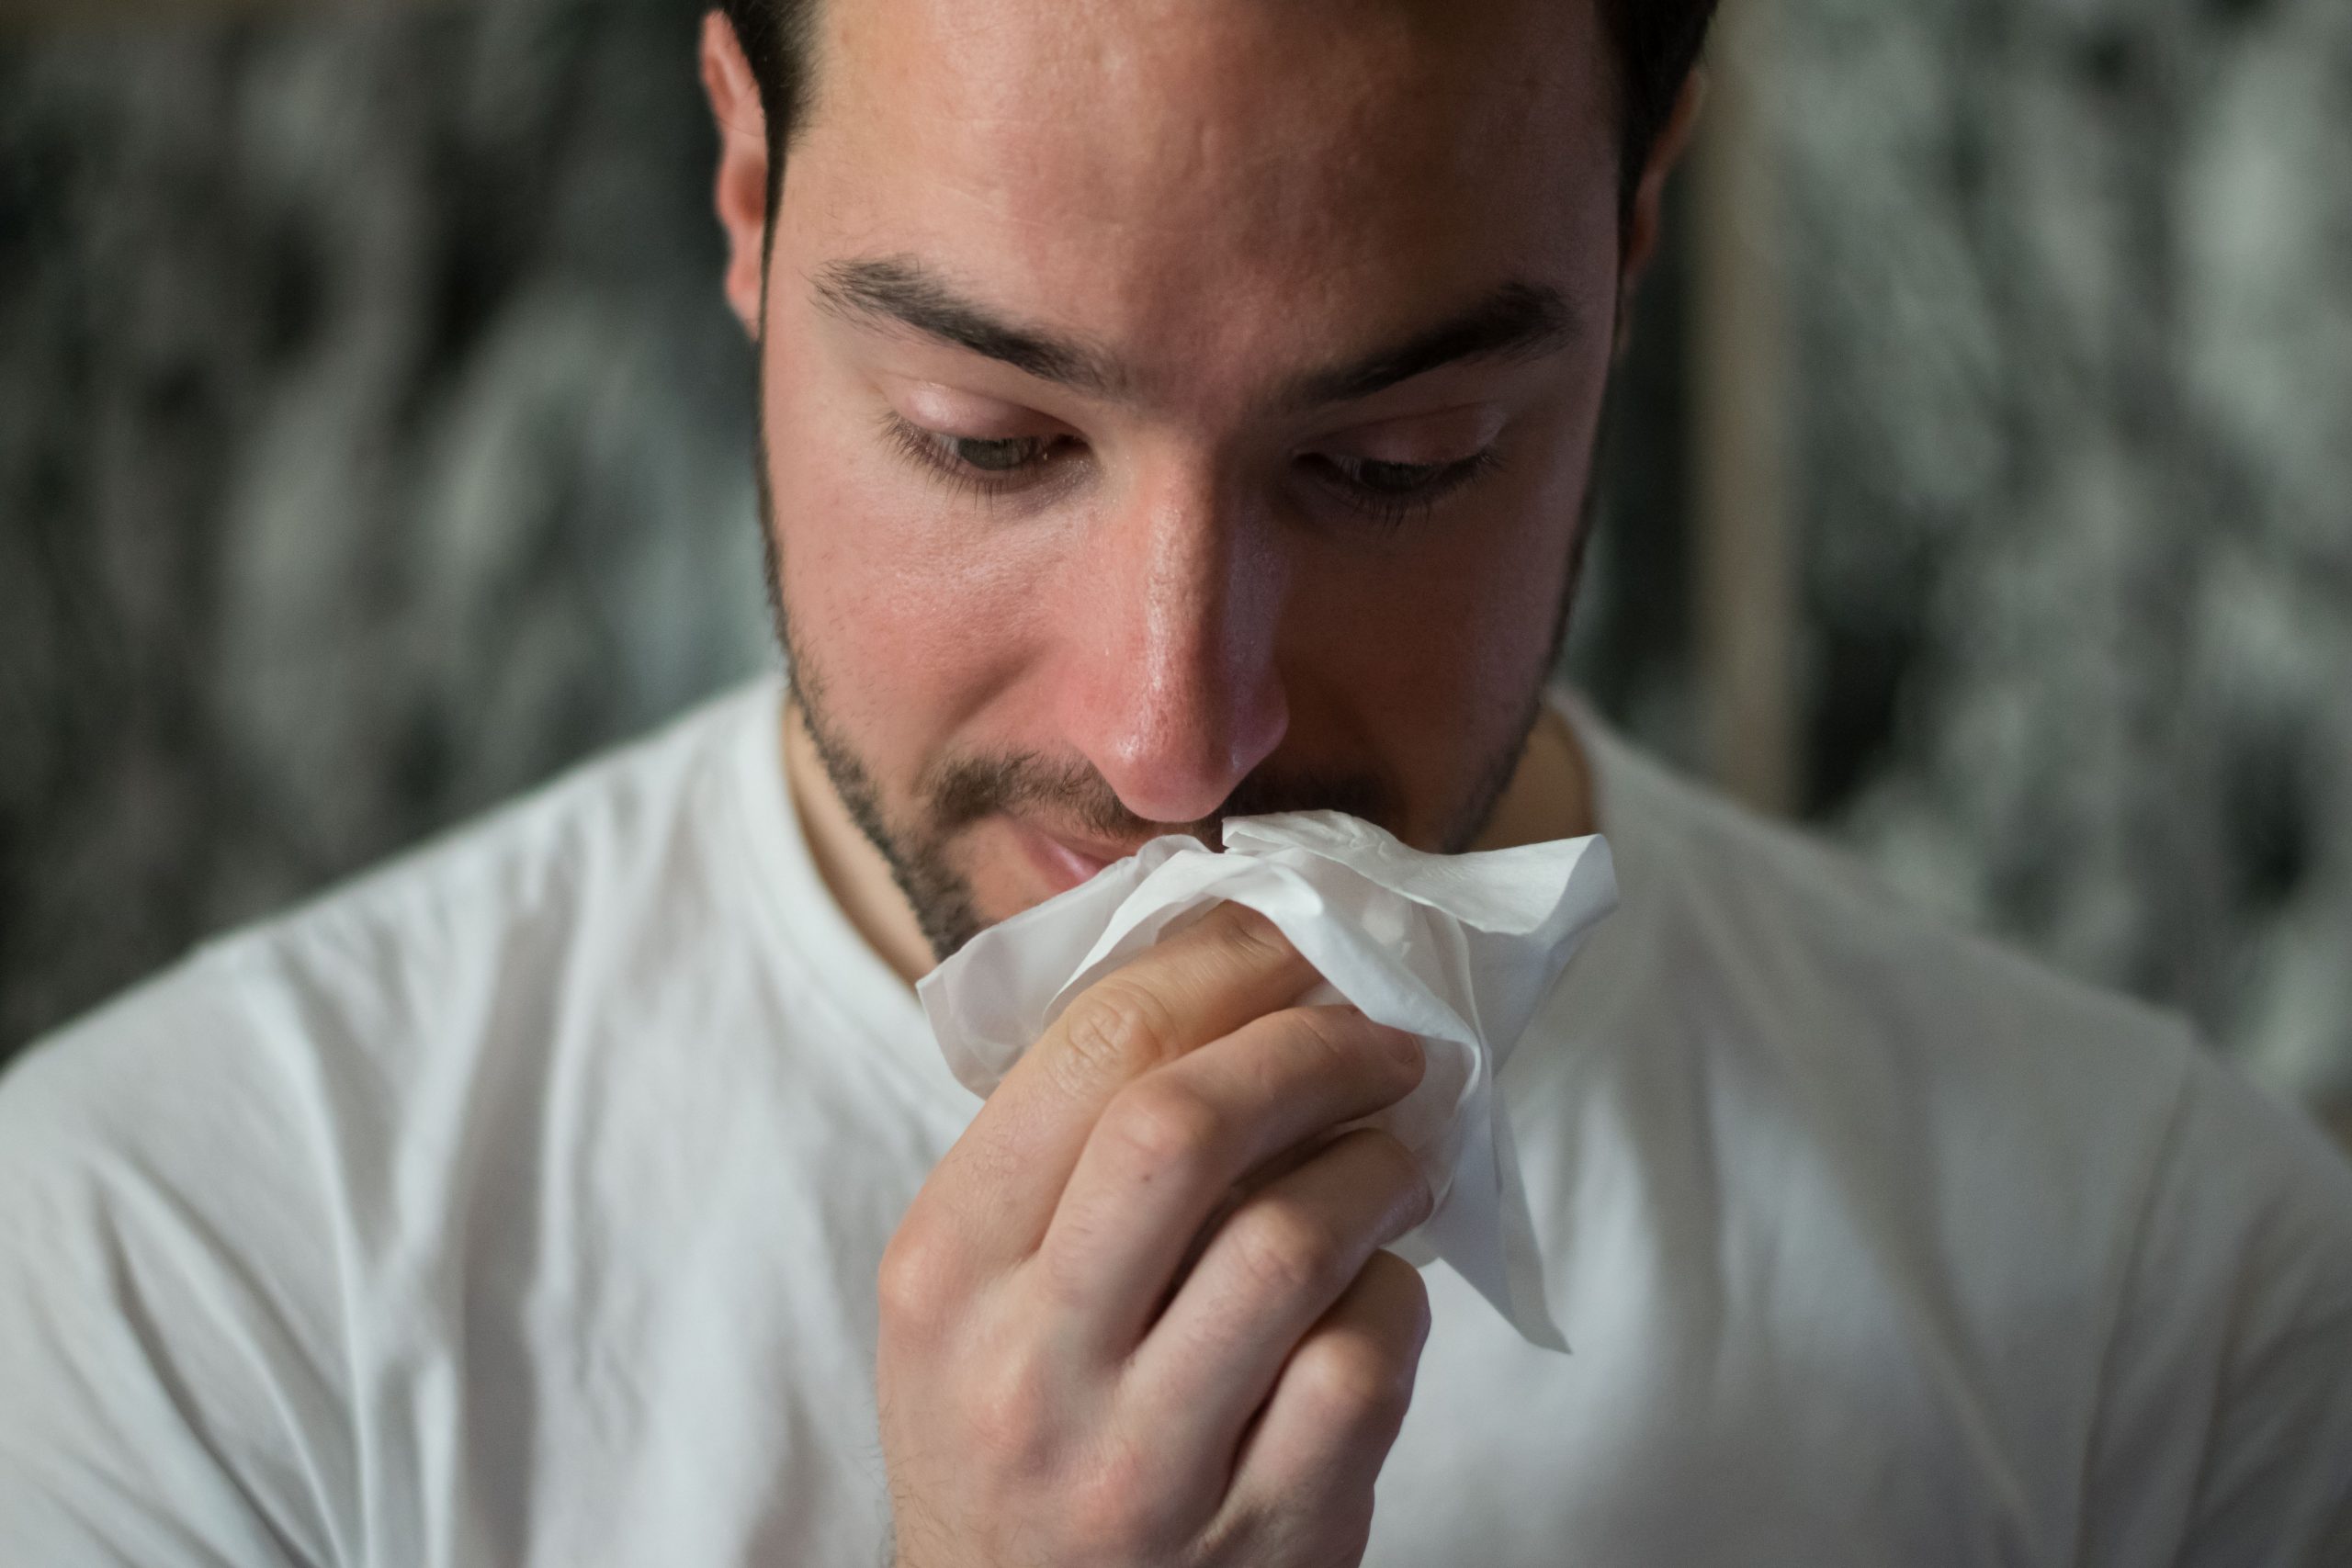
<point>1122,1511</point>
<point>918,1282</point>
<point>1353,1380</point>
<point>1009,1415</point>
<point>1343,1042</point>
<point>1161,1124</point>
<point>1285,1250</point>
<point>1400,1173</point>
<point>1331,1034</point>
<point>1114,1030</point>
<point>1253,938</point>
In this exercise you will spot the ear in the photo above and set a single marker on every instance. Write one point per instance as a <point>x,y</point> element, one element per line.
<point>1648,217</point>
<point>742,192</point>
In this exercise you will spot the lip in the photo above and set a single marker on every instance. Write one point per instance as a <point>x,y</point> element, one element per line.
<point>1063,863</point>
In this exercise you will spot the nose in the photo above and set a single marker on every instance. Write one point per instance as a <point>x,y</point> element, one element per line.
<point>1170,687</point>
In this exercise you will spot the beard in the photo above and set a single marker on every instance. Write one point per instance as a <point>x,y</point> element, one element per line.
<point>956,792</point>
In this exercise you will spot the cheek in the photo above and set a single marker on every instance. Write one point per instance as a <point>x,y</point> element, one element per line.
<point>1436,643</point>
<point>908,619</point>
<point>1448,653</point>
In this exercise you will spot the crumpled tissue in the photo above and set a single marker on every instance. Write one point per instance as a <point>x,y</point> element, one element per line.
<point>1459,949</point>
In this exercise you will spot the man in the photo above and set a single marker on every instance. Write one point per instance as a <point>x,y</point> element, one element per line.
<point>1170,412</point>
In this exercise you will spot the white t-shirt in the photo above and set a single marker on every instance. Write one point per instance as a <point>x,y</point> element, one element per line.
<point>520,1204</point>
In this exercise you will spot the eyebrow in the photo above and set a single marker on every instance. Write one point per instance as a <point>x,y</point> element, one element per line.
<point>1517,320</point>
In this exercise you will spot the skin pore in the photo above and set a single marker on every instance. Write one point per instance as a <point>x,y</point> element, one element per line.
<point>1172,411</point>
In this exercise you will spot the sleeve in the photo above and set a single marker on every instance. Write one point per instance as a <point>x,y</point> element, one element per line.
<point>2224,1436</point>
<point>167,1383</point>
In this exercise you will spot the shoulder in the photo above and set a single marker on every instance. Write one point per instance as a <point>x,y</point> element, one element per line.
<point>2147,1262</point>
<point>204,1183</point>
<point>1764,944</point>
<point>1798,947</point>
<point>2226,1400</point>
<point>308,1019</point>
<point>618,834</point>
<point>167,1326</point>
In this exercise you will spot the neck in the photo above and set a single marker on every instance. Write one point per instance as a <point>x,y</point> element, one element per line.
<point>1549,796</point>
<point>1550,792</point>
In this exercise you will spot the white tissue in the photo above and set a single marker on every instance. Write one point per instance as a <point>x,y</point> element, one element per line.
<point>1459,949</point>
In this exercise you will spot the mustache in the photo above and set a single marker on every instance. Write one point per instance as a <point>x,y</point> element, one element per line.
<point>962,791</point>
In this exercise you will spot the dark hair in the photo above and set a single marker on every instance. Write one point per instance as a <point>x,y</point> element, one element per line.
<point>1657,42</point>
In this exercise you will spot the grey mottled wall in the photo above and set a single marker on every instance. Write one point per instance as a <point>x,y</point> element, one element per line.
<point>371,441</point>
<point>2073,284</point>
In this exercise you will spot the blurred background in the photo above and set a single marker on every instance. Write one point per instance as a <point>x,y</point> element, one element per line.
<point>373,443</point>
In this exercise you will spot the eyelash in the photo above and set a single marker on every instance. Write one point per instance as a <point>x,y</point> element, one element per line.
<point>1386,509</point>
<point>926,450</point>
<point>1390,510</point>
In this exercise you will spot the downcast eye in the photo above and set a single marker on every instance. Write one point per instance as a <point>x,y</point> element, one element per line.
<point>1393,492</point>
<point>1370,477</point>
<point>998,456</point>
<point>1394,479</point>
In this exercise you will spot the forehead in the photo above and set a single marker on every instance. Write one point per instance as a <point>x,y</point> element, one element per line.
<point>1206,170</point>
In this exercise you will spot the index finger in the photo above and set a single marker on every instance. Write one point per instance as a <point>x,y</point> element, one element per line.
<point>1006,1174</point>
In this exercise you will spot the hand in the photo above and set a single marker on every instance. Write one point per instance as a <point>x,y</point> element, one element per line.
<point>1057,1387</point>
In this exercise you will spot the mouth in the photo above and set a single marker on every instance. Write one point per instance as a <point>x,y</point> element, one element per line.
<point>1064,862</point>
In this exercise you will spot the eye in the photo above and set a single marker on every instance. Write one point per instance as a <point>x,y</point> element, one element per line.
<point>1393,492</point>
<point>995,457</point>
<point>985,465</point>
<point>1390,478</point>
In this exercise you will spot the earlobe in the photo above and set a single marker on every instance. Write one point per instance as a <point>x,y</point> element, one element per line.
<point>741,194</point>
<point>1646,222</point>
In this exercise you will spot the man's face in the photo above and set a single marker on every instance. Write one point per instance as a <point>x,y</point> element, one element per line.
<point>1178,408</point>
